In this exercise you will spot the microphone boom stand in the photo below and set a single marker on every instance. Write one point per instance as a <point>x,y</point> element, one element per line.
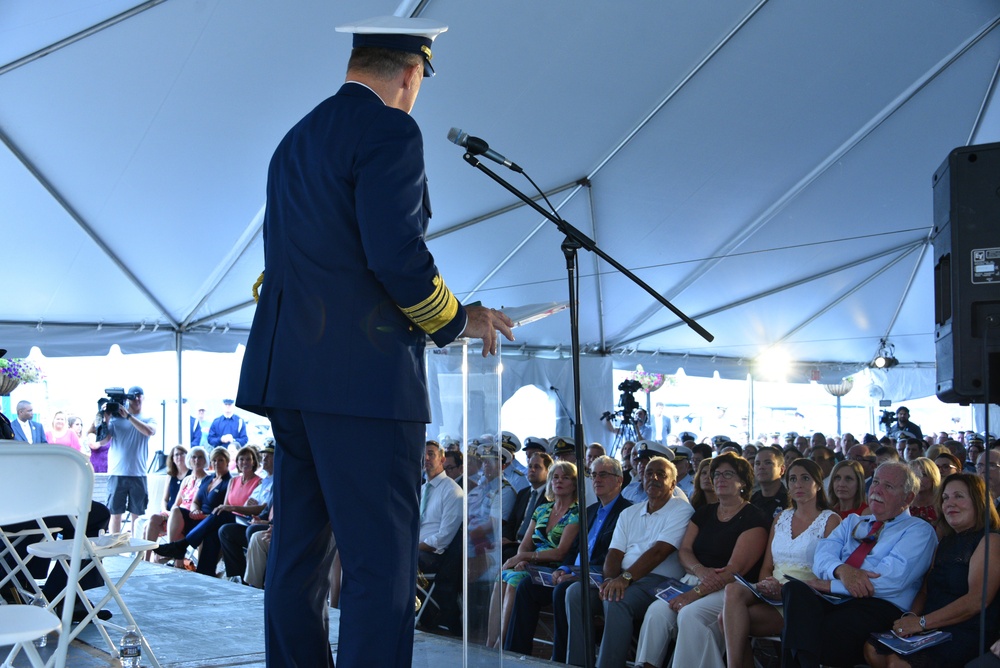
<point>575,239</point>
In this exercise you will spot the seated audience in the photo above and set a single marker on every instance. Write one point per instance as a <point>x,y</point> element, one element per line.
<point>235,538</point>
<point>177,470</point>
<point>642,554</point>
<point>769,469</point>
<point>213,492</point>
<point>847,487</point>
<point>790,549</point>
<point>550,535</point>
<point>179,520</point>
<point>930,481</point>
<point>257,549</point>
<point>952,595</point>
<point>440,521</point>
<point>704,490</point>
<point>947,464</point>
<point>602,518</point>
<point>877,560</point>
<point>527,501</point>
<point>723,538</point>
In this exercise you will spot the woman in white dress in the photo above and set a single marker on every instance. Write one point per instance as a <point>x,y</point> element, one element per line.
<point>790,550</point>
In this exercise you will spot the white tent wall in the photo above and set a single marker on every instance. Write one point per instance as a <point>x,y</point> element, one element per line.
<point>444,369</point>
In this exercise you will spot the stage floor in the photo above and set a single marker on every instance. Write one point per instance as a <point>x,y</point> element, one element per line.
<point>193,621</point>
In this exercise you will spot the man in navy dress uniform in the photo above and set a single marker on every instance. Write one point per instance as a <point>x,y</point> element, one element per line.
<point>335,354</point>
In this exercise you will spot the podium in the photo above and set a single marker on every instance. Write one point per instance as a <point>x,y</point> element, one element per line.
<point>465,395</point>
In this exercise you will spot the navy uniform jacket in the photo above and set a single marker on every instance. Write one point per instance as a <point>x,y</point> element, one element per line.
<point>350,288</point>
<point>234,426</point>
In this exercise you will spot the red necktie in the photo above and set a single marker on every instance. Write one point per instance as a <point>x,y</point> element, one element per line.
<point>858,556</point>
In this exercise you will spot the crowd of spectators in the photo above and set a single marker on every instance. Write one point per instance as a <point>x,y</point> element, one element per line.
<point>782,520</point>
<point>893,525</point>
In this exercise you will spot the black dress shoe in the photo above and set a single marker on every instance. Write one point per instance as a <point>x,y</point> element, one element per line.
<point>175,550</point>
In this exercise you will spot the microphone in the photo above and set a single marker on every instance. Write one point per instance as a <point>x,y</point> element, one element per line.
<point>477,146</point>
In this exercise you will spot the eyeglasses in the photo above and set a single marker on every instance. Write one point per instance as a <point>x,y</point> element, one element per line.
<point>728,475</point>
<point>604,475</point>
<point>655,474</point>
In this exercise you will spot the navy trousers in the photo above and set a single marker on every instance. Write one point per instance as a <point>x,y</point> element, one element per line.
<point>374,513</point>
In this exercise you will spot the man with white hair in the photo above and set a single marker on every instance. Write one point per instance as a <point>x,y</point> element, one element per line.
<point>878,560</point>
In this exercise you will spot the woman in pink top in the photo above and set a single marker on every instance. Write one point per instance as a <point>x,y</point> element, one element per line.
<point>62,434</point>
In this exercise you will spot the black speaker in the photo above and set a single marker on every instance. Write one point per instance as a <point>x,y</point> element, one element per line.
<point>967,275</point>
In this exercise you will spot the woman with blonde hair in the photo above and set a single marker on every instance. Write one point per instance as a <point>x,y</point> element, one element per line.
<point>548,539</point>
<point>929,475</point>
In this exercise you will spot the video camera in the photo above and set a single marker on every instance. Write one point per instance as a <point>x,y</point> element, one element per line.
<point>626,401</point>
<point>888,417</point>
<point>109,405</point>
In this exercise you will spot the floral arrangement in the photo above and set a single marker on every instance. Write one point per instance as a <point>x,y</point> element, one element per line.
<point>650,381</point>
<point>21,370</point>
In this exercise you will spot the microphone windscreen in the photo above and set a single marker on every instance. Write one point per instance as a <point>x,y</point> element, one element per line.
<point>456,136</point>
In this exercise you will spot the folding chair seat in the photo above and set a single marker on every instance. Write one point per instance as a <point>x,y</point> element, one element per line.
<point>69,481</point>
<point>96,553</point>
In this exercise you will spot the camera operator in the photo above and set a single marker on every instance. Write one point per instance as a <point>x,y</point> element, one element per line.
<point>903,424</point>
<point>129,433</point>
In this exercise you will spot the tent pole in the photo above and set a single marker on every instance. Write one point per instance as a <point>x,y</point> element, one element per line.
<point>178,348</point>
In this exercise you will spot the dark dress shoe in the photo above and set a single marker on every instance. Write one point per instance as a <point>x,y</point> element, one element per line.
<point>175,550</point>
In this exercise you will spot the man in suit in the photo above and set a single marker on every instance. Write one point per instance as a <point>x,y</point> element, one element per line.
<point>530,597</point>
<point>526,502</point>
<point>25,428</point>
<point>334,357</point>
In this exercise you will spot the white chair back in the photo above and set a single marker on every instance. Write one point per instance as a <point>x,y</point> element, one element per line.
<point>41,481</point>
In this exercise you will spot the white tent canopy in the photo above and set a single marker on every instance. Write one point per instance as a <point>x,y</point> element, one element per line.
<point>765,165</point>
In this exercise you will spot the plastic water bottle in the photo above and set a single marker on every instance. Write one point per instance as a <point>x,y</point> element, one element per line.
<point>130,648</point>
<point>39,602</point>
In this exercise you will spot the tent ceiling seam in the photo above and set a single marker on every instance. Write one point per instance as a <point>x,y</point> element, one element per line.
<point>773,291</point>
<point>85,226</point>
<point>226,265</point>
<point>819,170</point>
<point>868,279</point>
<point>76,37</point>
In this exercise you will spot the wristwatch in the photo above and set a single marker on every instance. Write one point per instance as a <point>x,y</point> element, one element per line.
<point>697,590</point>
<point>923,623</point>
<point>627,577</point>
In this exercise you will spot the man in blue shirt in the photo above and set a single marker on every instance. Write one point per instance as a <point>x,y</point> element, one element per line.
<point>530,597</point>
<point>879,561</point>
<point>228,428</point>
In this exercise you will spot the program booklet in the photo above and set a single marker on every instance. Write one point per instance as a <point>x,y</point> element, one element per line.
<point>542,575</point>
<point>671,588</point>
<point>756,592</point>
<point>912,644</point>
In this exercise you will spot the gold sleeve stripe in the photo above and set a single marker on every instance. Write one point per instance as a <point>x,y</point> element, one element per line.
<point>255,290</point>
<point>436,311</point>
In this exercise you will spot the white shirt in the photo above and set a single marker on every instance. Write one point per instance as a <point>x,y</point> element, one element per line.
<point>637,530</point>
<point>442,514</point>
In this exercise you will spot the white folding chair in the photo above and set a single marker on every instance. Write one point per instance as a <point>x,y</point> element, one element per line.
<point>43,481</point>
<point>60,550</point>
